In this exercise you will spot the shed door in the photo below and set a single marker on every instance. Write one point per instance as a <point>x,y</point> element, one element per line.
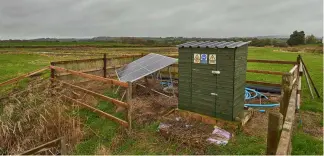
<point>204,81</point>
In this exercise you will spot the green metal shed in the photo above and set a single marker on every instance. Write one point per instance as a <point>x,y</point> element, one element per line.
<point>212,78</point>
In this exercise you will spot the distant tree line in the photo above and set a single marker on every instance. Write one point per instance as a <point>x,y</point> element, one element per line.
<point>173,41</point>
<point>296,38</point>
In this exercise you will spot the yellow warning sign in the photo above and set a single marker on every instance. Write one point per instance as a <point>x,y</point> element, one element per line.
<point>212,58</point>
<point>196,58</point>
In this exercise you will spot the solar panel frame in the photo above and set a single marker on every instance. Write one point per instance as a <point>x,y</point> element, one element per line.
<point>143,66</point>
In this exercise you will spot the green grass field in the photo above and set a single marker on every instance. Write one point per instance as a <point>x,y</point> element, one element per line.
<point>12,65</point>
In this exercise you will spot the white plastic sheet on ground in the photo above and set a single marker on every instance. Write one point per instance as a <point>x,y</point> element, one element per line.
<point>219,136</point>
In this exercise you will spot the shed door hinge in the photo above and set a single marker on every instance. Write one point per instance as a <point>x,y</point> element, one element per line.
<point>215,72</point>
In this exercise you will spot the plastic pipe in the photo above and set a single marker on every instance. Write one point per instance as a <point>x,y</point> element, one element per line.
<point>261,105</point>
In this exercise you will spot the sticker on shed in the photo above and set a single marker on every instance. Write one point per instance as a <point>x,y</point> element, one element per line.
<point>212,58</point>
<point>203,59</point>
<point>196,58</point>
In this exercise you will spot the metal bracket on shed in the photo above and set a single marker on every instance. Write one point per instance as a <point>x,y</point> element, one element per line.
<point>214,94</point>
<point>215,72</point>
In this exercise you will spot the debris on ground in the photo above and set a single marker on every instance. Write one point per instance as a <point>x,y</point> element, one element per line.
<point>151,108</point>
<point>193,133</point>
<point>219,136</point>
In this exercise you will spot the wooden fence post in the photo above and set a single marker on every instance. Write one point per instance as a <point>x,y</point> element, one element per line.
<point>274,129</point>
<point>63,146</point>
<point>286,88</point>
<point>52,71</point>
<point>300,74</point>
<point>52,77</point>
<point>128,101</point>
<point>105,66</point>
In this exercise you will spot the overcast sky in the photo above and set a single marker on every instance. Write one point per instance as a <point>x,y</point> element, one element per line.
<point>187,18</point>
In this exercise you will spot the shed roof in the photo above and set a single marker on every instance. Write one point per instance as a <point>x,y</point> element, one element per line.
<point>214,44</point>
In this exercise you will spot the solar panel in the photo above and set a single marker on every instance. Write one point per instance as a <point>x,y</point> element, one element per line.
<point>144,66</point>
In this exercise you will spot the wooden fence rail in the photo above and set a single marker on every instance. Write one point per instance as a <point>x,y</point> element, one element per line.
<point>59,142</point>
<point>89,76</point>
<point>100,112</point>
<point>176,65</point>
<point>272,61</point>
<point>93,59</point>
<point>103,97</point>
<point>22,77</point>
<point>126,104</point>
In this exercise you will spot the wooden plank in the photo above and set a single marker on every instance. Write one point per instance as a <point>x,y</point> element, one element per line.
<point>300,69</point>
<point>76,61</point>
<point>264,83</point>
<point>127,56</point>
<point>82,71</point>
<point>106,98</point>
<point>100,112</point>
<point>92,59</point>
<point>294,81</point>
<point>207,119</point>
<point>274,128</point>
<point>286,133</point>
<point>91,70</point>
<point>22,77</point>
<point>292,70</point>
<point>272,61</point>
<point>298,100</point>
<point>89,76</point>
<point>265,72</point>
<point>50,144</point>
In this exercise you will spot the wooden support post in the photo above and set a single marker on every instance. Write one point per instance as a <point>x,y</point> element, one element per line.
<point>105,66</point>
<point>286,87</point>
<point>298,94</point>
<point>63,146</point>
<point>52,79</point>
<point>52,71</point>
<point>299,76</point>
<point>128,101</point>
<point>274,129</point>
<point>300,67</point>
